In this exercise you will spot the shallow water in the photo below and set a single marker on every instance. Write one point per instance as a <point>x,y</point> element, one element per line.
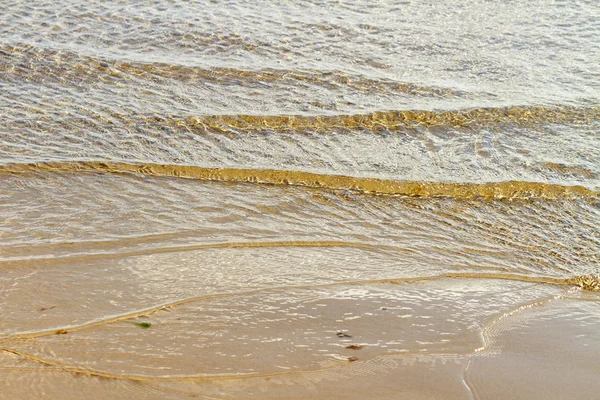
<point>316,199</point>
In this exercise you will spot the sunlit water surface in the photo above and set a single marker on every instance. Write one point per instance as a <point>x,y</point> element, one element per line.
<point>316,199</point>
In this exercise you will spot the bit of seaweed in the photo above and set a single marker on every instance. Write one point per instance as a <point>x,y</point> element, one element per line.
<point>354,346</point>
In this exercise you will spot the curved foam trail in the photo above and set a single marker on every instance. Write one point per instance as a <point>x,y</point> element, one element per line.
<point>533,337</point>
<point>586,282</point>
<point>119,69</point>
<point>13,262</point>
<point>376,186</point>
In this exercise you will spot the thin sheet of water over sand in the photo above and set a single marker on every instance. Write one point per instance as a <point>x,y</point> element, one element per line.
<point>291,292</point>
<point>299,199</point>
<point>446,338</point>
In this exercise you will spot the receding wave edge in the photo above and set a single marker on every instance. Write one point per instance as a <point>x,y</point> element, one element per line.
<point>375,186</point>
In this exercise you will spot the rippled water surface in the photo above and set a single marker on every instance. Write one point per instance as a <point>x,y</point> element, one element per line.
<point>299,199</point>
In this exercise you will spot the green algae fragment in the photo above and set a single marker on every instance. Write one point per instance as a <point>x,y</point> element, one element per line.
<point>144,325</point>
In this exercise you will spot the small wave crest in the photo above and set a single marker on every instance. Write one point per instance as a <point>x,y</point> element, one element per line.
<point>374,186</point>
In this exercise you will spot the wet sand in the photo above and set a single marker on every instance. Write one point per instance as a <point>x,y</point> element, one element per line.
<point>442,338</point>
<point>299,199</point>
